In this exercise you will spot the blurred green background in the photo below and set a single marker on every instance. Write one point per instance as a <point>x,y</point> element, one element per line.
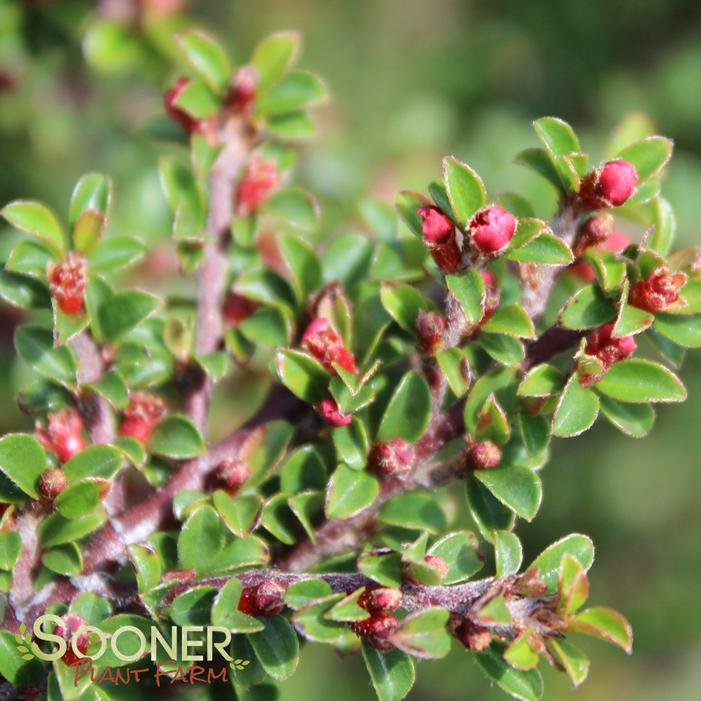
<point>412,81</point>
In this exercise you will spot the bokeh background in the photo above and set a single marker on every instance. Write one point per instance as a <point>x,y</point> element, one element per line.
<point>413,80</point>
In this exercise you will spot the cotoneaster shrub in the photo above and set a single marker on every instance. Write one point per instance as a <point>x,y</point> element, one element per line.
<point>428,362</point>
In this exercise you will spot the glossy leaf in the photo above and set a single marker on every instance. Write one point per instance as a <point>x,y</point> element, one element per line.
<point>409,410</point>
<point>517,487</point>
<point>648,156</point>
<point>465,189</point>
<point>606,624</point>
<point>276,647</point>
<point>548,562</point>
<point>508,553</point>
<point>522,685</point>
<point>22,460</point>
<point>176,437</point>
<point>638,381</point>
<point>423,634</point>
<point>349,492</point>
<point>37,220</point>
<point>587,309</point>
<point>206,57</point>
<point>468,289</point>
<point>576,410</point>
<point>392,673</point>
<point>302,375</point>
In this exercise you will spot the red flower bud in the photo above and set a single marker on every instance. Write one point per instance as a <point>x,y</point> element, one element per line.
<point>658,291</point>
<point>62,435</point>
<point>441,238</point>
<point>51,483</point>
<point>71,624</point>
<point>189,123</point>
<point>430,327</point>
<point>473,637</point>
<point>616,242</point>
<point>491,229</point>
<point>380,600</point>
<point>256,185</point>
<point>609,185</point>
<point>483,455</point>
<point>264,599</point>
<point>140,418</point>
<point>438,563</point>
<point>237,308</point>
<point>231,474</point>
<point>609,350</point>
<point>328,408</point>
<point>322,340</point>
<point>593,232</point>
<point>376,630</point>
<point>67,283</point>
<point>394,458</point>
<point>242,90</point>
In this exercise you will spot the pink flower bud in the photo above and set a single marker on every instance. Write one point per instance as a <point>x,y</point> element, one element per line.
<point>491,230</point>
<point>658,291</point>
<point>178,115</point>
<point>376,630</point>
<point>473,637</point>
<point>483,455</point>
<point>328,408</point>
<point>609,350</point>
<point>380,600</point>
<point>609,185</point>
<point>324,342</point>
<point>264,599</point>
<point>67,283</point>
<point>242,90</point>
<point>62,435</point>
<point>394,458</point>
<point>51,483</point>
<point>595,231</point>
<point>430,327</point>
<point>441,239</point>
<point>256,185</point>
<point>140,418</point>
<point>72,622</point>
<point>231,475</point>
<point>237,308</point>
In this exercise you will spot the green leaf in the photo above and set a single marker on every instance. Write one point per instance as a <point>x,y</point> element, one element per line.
<point>520,655</point>
<point>294,125</point>
<point>486,510</point>
<point>296,91</point>
<point>576,410</point>
<point>93,192</point>
<point>538,160</point>
<point>177,437</point>
<point>201,538</point>
<point>22,460</point>
<point>517,487</point>
<point>508,553</point>
<point>418,510</point>
<point>80,498</point>
<point>631,320</point>
<point>18,671</point>
<point>37,220</point>
<point>23,291</point>
<point>535,432</point>
<point>347,259</point>
<point>349,492</point>
<point>557,136</point>
<point>240,514</point>
<point>548,562</point>
<point>112,387</point>
<point>225,611</point>
<point>571,658</point>
<point>278,519</point>
<point>545,249</point>
<point>409,410</point>
<point>57,530</point>
<point>348,609</point>
<point>303,469</point>
<point>29,258</point>
<point>313,623</point>
<point>649,156</point>
<point>465,189</point>
<point>456,369</point>
<point>273,56</point>
<point>276,647</point>
<point>506,350</point>
<point>403,303</point>
<point>511,319</point>
<point>522,685</point>
<point>392,673</point>
<point>34,345</point>
<point>461,553</point>
<point>407,204</point>
<point>351,444</point>
<point>10,546</point>
<point>129,642</point>
<point>198,100</point>
<point>640,381</point>
<point>634,420</point>
<point>383,567</point>
<point>123,311</point>
<point>303,593</point>
<point>661,238</point>
<point>303,264</point>
<point>423,634</point>
<point>97,461</point>
<point>115,253</point>
<point>606,624</point>
<point>587,309</point>
<point>302,375</point>
<point>685,331</point>
<point>468,289</point>
<point>300,210</point>
<point>541,381</point>
<point>528,229</point>
<point>193,607</point>
<point>206,56</point>
<point>65,559</point>
<point>148,566</point>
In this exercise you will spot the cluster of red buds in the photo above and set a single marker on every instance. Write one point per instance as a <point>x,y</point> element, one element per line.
<point>67,283</point>
<point>659,291</point>
<point>491,229</point>
<point>332,414</point>
<point>379,602</point>
<point>609,185</point>
<point>324,342</point>
<point>189,123</point>
<point>62,434</point>
<point>231,474</point>
<point>264,599</point>
<point>608,350</point>
<point>474,637</point>
<point>242,90</point>
<point>72,622</point>
<point>481,455</point>
<point>142,415</point>
<point>237,308</point>
<point>256,185</point>
<point>392,459</point>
